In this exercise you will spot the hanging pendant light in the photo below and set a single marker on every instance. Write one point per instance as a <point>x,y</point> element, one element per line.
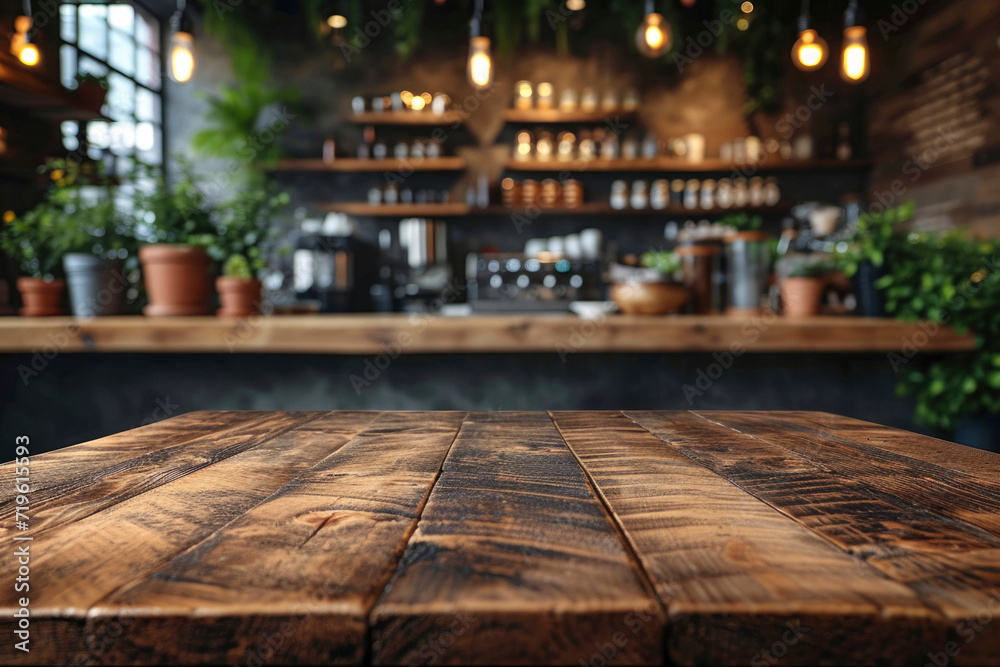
<point>855,61</point>
<point>480,66</point>
<point>20,41</point>
<point>181,47</point>
<point>654,35</point>
<point>810,50</point>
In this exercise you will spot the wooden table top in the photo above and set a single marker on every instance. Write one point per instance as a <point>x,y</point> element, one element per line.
<point>507,537</point>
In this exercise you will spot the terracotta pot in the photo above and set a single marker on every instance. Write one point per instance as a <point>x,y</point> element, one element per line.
<point>42,298</point>
<point>635,298</point>
<point>177,279</point>
<point>239,297</point>
<point>801,297</point>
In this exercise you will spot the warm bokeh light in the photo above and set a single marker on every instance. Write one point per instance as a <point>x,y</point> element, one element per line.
<point>337,21</point>
<point>854,63</point>
<point>417,104</point>
<point>575,5</point>
<point>29,55</point>
<point>747,7</point>
<point>181,57</point>
<point>654,36</point>
<point>480,68</point>
<point>524,89</point>
<point>743,24</point>
<point>810,51</point>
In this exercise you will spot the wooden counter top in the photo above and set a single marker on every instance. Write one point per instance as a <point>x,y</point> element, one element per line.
<point>373,333</point>
<point>591,538</point>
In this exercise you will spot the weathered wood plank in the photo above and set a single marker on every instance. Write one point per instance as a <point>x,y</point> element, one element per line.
<point>370,333</point>
<point>514,561</point>
<point>78,488</point>
<point>951,565</point>
<point>911,480</point>
<point>983,465</point>
<point>74,566</point>
<point>734,572</point>
<point>302,568</point>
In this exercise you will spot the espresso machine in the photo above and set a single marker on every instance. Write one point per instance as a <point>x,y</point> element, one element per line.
<point>333,266</point>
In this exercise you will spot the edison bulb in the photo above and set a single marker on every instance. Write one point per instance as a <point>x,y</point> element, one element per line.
<point>336,21</point>
<point>480,68</point>
<point>653,37</point>
<point>855,62</point>
<point>29,54</point>
<point>810,51</point>
<point>181,57</point>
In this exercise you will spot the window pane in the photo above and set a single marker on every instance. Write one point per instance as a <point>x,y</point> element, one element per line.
<point>153,154</point>
<point>122,52</point>
<point>147,70</point>
<point>122,137</point>
<point>97,135</point>
<point>121,17</point>
<point>91,66</point>
<point>147,33</point>
<point>147,105</point>
<point>67,66</point>
<point>67,23</point>
<point>121,97</point>
<point>94,30</point>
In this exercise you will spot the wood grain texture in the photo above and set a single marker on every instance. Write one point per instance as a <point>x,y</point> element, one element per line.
<point>305,566</point>
<point>953,566</point>
<point>573,537</point>
<point>78,564</point>
<point>514,561</point>
<point>734,572</point>
<point>370,333</point>
<point>983,465</point>
<point>78,488</point>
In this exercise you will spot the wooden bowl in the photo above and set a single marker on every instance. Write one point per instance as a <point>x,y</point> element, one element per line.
<point>636,298</point>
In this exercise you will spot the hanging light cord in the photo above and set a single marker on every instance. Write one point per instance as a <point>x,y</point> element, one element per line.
<point>476,24</point>
<point>851,14</point>
<point>649,7</point>
<point>175,20</point>
<point>804,16</point>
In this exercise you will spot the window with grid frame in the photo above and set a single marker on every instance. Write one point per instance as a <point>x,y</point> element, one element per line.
<point>122,42</point>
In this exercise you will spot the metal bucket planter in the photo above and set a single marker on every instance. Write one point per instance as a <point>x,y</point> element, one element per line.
<point>97,286</point>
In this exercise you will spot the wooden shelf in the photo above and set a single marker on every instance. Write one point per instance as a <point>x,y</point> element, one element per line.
<point>390,164</point>
<point>396,210</point>
<point>425,118</point>
<point>666,164</point>
<point>457,210</point>
<point>369,333</point>
<point>556,116</point>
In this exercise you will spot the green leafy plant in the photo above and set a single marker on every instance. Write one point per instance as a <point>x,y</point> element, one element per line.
<point>176,213</point>
<point>246,228</point>
<point>809,266</point>
<point>664,261</point>
<point>78,214</point>
<point>742,221</point>
<point>875,236</point>
<point>948,279</point>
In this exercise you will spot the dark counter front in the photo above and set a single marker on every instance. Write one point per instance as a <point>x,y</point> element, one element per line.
<point>140,370</point>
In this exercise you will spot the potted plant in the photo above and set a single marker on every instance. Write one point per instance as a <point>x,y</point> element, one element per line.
<point>92,235</point>
<point>29,240</point>
<point>63,222</point>
<point>651,289</point>
<point>802,284</point>
<point>864,258</point>
<point>246,226</point>
<point>177,223</point>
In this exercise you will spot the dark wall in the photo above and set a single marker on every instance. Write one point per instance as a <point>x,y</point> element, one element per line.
<point>78,397</point>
